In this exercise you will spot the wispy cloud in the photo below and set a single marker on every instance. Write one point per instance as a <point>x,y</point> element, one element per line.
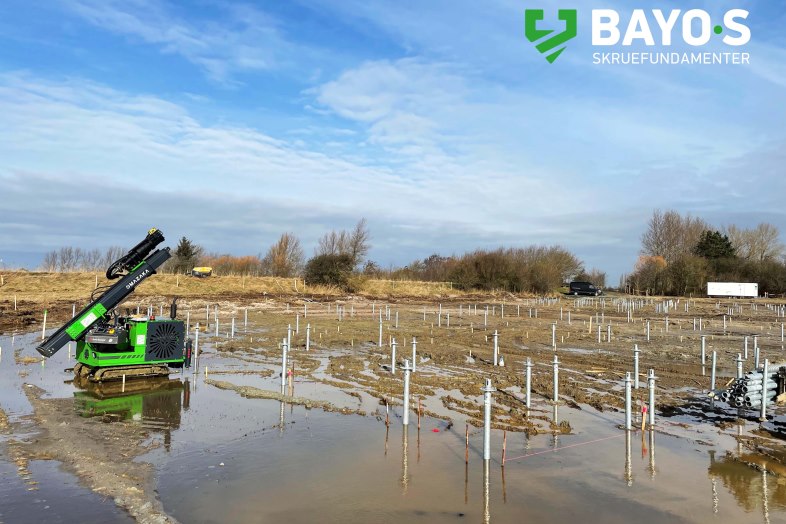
<point>81,131</point>
<point>242,38</point>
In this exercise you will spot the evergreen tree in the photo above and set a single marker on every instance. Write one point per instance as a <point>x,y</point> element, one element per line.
<point>714,245</point>
<point>185,256</point>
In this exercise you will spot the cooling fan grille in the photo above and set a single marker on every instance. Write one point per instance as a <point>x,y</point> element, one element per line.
<point>164,342</point>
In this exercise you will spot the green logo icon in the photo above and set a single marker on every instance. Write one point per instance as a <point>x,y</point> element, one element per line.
<point>531,18</point>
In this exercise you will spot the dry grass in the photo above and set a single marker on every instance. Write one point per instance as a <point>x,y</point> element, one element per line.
<point>49,288</point>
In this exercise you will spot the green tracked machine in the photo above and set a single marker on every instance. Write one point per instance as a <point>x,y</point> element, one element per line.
<point>110,346</point>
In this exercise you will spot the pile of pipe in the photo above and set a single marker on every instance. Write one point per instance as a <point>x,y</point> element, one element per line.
<point>747,392</point>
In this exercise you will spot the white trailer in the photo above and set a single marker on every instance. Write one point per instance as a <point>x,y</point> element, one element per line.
<point>733,289</point>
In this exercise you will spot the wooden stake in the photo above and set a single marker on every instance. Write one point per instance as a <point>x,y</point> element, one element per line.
<point>504,445</point>
<point>466,445</point>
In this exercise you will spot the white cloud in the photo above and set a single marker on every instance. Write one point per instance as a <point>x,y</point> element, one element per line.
<point>83,163</point>
<point>245,38</point>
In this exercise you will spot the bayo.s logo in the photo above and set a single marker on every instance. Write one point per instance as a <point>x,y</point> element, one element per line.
<point>547,46</point>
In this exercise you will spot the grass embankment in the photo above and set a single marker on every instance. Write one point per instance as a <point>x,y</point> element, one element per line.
<point>57,292</point>
<point>43,288</point>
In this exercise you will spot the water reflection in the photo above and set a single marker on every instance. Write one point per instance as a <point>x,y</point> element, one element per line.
<point>418,443</point>
<point>486,506</point>
<point>628,475</point>
<point>765,501</point>
<point>466,483</point>
<point>404,460</point>
<point>747,478</point>
<point>155,403</point>
<point>652,454</point>
<point>504,491</point>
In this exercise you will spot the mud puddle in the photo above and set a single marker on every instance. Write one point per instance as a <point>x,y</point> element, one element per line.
<point>39,490</point>
<point>55,497</point>
<point>354,469</point>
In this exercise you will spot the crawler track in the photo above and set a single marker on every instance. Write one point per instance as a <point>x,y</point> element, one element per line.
<point>117,373</point>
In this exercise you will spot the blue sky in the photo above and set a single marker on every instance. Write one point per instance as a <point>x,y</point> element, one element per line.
<point>438,121</point>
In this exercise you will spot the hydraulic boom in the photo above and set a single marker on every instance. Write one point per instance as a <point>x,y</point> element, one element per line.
<point>139,263</point>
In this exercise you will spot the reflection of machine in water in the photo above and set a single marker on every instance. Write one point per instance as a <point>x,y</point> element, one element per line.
<point>156,403</point>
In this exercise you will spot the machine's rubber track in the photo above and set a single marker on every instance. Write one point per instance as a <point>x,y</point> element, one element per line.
<point>117,373</point>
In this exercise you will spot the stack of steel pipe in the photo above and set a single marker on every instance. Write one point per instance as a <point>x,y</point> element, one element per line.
<point>747,392</point>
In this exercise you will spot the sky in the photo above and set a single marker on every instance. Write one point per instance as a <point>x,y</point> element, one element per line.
<point>436,120</point>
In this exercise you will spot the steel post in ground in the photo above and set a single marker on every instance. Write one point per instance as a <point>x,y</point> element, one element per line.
<point>651,386</point>
<point>628,425</point>
<point>283,365</point>
<point>196,348</point>
<point>487,390</point>
<point>636,366</point>
<point>763,413</point>
<point>556,379</point>
<point>528,382</point>
<point>414,354</point>
<point>393,356</point>
<point>407,369</point>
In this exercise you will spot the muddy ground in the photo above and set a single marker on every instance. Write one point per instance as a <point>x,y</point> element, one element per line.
<point>455,357</point>
<point>104,464</point>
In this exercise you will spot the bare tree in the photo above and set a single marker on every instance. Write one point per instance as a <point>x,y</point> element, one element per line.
<point>359,242</point>
<point>284,258</point>
<point>758,244</point>
<point>91,260</point>
<point>111,254</point>
<point>354,243</point>
<point>50,262</point>
<point>66,259</point>
<point>670,235</point>
<point>333,243</point>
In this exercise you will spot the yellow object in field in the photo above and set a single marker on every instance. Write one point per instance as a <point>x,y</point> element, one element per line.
<point>202,272</point>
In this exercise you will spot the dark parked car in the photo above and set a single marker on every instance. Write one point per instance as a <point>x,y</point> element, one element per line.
<point>584,288</point>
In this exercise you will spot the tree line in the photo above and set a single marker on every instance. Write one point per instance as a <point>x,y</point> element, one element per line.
<point>538,269</point>
<point>340,259</point>
<point>681,253</point>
